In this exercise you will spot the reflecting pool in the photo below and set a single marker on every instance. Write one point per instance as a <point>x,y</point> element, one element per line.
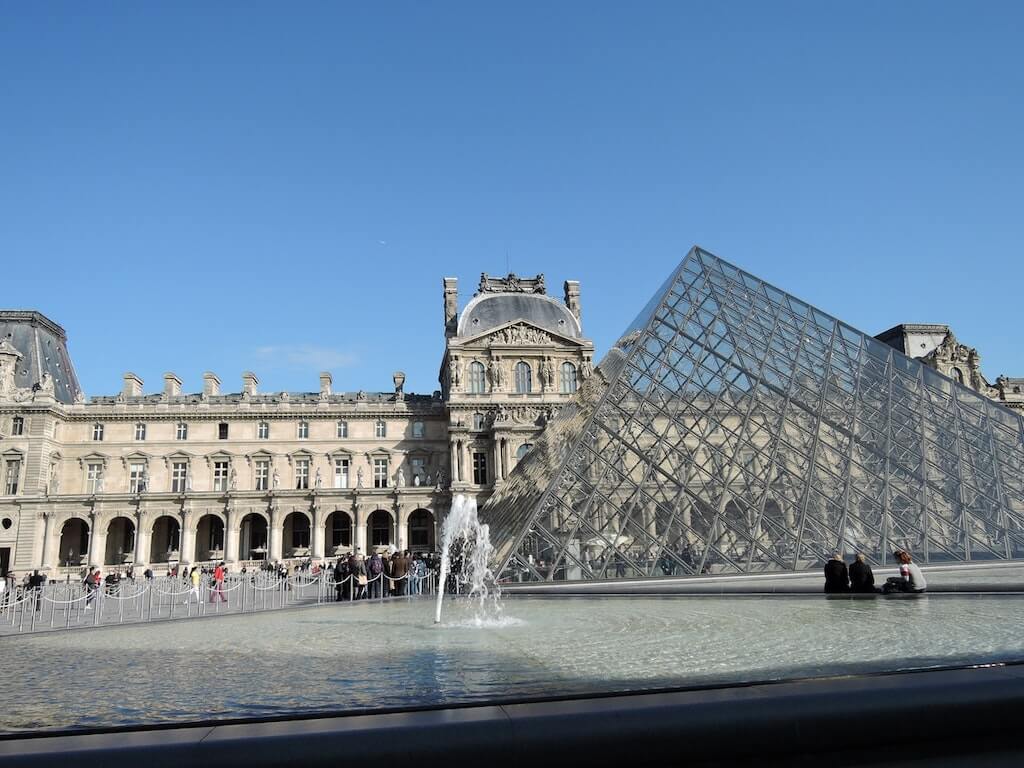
<point>374,656</point>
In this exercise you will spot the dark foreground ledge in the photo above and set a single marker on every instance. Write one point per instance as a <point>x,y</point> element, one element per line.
<point>949,717</point>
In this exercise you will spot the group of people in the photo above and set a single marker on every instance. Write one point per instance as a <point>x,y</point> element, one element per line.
<point>357,577</point>
<point>859,578</point>
<point>11,590</point>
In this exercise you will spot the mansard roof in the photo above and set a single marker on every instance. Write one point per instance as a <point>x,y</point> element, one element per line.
<point>491,310</point>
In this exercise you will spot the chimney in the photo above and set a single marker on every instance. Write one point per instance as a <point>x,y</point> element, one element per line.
<point>249,382</point>
<point>572,297</point>
<point>451,306</point>
<point>325,383</point>
<point>132,385</point>
<point>172,385</point>
<point>211,384</point>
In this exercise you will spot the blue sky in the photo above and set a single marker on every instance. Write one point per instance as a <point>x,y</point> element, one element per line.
<point>281,187</point>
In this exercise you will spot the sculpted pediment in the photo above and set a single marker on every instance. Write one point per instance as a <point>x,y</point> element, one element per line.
<point>518,334</point>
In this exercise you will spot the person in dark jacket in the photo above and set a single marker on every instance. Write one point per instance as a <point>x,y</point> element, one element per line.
<point>837,578</point>
<point>861,578</point>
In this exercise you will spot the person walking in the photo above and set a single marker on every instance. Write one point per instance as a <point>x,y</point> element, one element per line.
<point>218,584</point>
<point>837,577</point>
<point>196,578</point>
<point>35,583</point>
<point>862,580</point>
<point>91,582</point>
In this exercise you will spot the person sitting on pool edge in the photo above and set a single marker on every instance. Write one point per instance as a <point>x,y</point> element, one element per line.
<point>837,579</point>
<point>862,580</point>
<point>911,579</point>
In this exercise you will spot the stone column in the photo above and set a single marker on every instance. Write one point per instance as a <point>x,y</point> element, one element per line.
<point>91,559</point>
<point>188,538</point>
<point>498,477</point>
<point>453,470</point>
<point>402,522</point>
<point>47,552</point>
<point>141,543</point>
<point>232,537</point>
<point>359,524</point>
<point>276,535</point>
<point>98,548</point>
<point>317,534</point>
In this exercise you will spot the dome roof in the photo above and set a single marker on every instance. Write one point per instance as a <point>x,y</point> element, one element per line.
<point>492,310</point>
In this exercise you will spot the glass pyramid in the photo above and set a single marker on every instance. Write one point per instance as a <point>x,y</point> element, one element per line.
<point>736,429</point>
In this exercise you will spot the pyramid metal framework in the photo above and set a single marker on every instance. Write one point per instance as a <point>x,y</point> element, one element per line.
<point>736,429</point>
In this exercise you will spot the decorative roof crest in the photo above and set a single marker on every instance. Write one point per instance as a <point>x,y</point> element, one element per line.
<point>513,283</point>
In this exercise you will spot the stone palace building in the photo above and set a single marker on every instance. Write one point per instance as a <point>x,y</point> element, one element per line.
<point>152,479</point>
<point>247,476</point>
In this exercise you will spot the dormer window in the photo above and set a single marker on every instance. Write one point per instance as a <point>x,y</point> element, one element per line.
<point>17,426</point>
<point>303,431</point>
<point>140,431</point>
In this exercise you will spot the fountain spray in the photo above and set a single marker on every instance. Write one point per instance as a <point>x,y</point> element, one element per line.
<point>463,530</point>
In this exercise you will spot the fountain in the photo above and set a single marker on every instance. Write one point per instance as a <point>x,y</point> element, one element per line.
<point>462,530</point>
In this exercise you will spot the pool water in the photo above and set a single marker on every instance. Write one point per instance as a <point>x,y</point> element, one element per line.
<point>373,656</point>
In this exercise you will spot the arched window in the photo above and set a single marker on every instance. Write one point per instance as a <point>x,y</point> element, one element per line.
<point>476,378</point>
<point>568,378</point>
<point>524,378</point>
<point>523,450</point>
<point>478,421</point>
<point>958,375</point>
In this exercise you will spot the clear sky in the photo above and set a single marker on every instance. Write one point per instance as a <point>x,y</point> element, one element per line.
<point>281,187</point>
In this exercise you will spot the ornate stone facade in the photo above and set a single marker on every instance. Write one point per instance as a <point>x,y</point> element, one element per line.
<point>937,346</point>
<point>515,356</point>
<point>177,477</point>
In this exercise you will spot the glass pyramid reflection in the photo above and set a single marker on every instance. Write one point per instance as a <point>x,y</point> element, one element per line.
<point>736,429</point>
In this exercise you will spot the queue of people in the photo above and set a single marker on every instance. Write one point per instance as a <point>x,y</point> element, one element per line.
<point>859,578</point>
<point>402,573</point>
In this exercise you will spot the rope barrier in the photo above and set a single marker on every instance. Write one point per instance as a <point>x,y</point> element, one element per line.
<point>132,605</point>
